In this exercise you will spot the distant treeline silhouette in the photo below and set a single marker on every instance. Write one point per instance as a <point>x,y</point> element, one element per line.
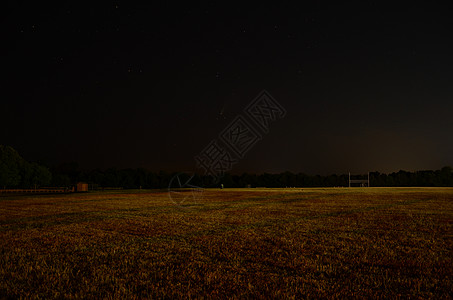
<point>15,172</point>
<point>136,178</point>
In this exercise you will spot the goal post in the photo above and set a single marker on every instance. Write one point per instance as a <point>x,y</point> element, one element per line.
<point>359,182</point>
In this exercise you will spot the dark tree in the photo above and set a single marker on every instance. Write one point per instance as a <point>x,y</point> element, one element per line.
<point>17,172</point>
<point>10,165</point>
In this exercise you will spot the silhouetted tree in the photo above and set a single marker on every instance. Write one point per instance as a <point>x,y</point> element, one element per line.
<point>10,164</point>
<point>17,172</point>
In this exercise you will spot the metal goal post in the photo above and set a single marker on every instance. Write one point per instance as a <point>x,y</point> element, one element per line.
<point>359,182</point>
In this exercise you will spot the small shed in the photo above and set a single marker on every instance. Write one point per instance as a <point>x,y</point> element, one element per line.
<point>82,187</point>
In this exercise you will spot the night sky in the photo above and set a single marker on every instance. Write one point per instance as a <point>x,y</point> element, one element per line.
<point>366,87</point>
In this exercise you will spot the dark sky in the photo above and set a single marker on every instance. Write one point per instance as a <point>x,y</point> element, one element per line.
<point>366,87</point>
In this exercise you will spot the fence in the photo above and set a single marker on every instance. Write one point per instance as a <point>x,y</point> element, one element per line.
<point>36,191</point>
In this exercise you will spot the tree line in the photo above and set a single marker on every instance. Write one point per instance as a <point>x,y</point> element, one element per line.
<point>15,172</point>
<point>142,178</point>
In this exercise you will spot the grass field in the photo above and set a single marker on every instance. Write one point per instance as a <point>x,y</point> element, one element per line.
<point>285,243</point>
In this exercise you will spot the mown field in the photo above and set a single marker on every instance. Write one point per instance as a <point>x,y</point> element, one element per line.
<point>287,243</point>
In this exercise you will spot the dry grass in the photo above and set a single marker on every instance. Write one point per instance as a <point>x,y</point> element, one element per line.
<point>231,243</point>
